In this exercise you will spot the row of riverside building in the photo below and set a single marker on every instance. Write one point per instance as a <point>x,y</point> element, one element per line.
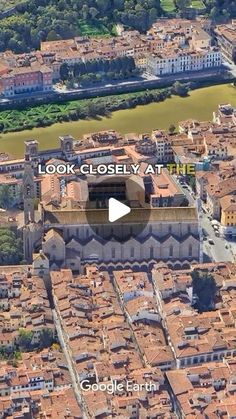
<point>171,46</point>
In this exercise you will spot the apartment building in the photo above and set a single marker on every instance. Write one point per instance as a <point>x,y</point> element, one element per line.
<point>170,46</point>
<point>132,284</point>
<point>38,386</point>
<point>215,192</point>
<point>164,152</point>
<point>84,48</point>
<point>100,339</point>
<point>175,60</point>
<point>186,48</point>
<point>24,305</point>
<point>205,391</point>
<point>21,80</point>
<point>215,146</point>
<point>228,216</point>
<point>226,37</point>
<point>197,338</point>
<point>224,115</point>
<point>203,178</point>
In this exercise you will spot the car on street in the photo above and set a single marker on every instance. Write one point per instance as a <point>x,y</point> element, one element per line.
<point>210,241</point>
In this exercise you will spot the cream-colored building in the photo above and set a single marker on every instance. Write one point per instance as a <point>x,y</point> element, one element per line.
<point>179,61</point>
<point>226,37</point>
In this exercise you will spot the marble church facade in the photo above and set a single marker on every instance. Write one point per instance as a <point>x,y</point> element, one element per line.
<point>171,235</point>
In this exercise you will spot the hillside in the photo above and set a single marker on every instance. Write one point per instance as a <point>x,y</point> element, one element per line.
<point>55,19</point>
<point>40,20</point>
<point>8,4</point>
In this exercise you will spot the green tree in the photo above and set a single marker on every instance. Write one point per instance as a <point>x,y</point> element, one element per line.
<point>214,14</point>
<point>11,248</point>
<point>93,12</point>
<point>191,180</point>
<point>6,197</point>
<point>53,36</point>
<point>46,338</point>
<point>69,84</point>
<point>103,5</point>
<point>172,129</point>
<point>79,69</point>
<point>25,339</point>
<point>204,286</point>
<point>64,71</point>
<point>180,89</point>
<point>182,4</point>
<point>152,15</point>
<point>85,11</point>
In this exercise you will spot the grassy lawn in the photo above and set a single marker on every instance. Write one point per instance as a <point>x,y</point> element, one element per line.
<point>168,5</point>
<point>48,114</point>
<point>7,4</point>
<point>198,4</point>
<point>86,28</point>
<point>15,118</point>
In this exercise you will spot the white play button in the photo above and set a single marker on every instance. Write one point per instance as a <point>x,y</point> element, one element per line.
<point>117,210</point>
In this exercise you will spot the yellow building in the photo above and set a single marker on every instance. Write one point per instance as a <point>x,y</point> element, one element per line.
<point>141,61</point>
<point>228,215</point>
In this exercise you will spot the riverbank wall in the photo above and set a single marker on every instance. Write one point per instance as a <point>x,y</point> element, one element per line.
<point>197,80</point>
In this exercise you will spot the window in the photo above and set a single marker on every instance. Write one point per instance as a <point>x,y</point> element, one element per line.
<point>151,252</point>
<point>171,250</point>
<point>113,253</point>
<point>190,250</point>
<point>132,252</point>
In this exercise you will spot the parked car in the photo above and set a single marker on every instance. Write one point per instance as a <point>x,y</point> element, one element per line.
<point>210,241</point>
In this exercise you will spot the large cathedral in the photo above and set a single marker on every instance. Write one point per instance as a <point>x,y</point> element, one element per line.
<point>73,240</point>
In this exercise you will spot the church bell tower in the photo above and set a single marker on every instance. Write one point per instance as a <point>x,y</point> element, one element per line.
<point>28,191</point>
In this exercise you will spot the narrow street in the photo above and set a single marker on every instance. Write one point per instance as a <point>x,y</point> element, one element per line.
<point>71,368</point>
<point>222,250</point>
<point>218,251</point>
<point>122,306</point>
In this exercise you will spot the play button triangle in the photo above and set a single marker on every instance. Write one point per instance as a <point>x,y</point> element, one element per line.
<point>117,210</point>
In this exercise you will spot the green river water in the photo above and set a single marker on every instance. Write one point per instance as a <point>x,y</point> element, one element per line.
<point>198,105</point>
